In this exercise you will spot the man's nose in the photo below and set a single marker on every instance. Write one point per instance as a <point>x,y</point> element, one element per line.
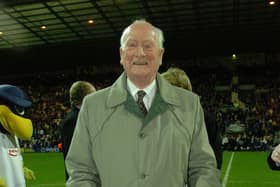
<point>140,51</point>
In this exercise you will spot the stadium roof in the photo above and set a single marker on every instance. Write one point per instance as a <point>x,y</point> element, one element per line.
<point>190,26</point>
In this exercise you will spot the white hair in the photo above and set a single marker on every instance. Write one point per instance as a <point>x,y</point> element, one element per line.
<point>159,33</point>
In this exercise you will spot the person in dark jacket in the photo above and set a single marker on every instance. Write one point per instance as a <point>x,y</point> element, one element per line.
<point>273,159</point>
<point>78,91</point>
<point>179,78</point>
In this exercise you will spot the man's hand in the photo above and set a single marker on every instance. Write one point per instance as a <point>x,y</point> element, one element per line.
<point>275,156</point>
<point>2,182</point>
<point>29,174</point>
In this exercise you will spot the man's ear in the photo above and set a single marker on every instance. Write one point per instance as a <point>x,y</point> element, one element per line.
<point>121,54</point>
<point>161,52</point>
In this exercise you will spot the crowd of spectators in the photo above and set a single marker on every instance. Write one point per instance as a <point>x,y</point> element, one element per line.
<point>253,127</point>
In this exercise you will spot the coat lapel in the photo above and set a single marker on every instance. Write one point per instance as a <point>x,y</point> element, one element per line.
<point>165,98</point>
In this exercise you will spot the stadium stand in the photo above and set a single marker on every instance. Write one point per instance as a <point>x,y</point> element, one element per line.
<point>253,127</point>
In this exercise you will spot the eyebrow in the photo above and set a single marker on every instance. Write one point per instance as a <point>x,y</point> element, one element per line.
<point>134,40</point>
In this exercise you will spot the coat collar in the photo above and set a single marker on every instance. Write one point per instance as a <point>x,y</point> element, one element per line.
<point>118,91</point>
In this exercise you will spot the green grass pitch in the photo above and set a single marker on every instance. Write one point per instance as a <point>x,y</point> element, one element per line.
<point>240,169</point>
<point>48,168</point>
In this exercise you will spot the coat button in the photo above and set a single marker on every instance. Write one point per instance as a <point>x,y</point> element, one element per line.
<point>142,135</point>
<point>143,176</point>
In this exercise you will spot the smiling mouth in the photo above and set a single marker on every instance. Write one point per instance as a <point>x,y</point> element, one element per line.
<point>140,63</point>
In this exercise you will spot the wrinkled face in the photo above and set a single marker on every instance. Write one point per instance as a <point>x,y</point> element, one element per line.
<point>141,54</point>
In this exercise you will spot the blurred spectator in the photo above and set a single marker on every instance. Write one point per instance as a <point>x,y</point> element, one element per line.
<point>179,78</point>
<point>77,92</point>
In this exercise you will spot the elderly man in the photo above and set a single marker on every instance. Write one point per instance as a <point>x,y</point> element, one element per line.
<point>141,131</point>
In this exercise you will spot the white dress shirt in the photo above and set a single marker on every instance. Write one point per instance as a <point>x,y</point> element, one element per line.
<point>150,91</point>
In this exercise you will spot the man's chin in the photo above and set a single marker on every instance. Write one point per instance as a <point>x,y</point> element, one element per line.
<point>139,73</point>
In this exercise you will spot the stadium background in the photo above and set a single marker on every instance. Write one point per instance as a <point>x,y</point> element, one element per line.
<point>201,38</point>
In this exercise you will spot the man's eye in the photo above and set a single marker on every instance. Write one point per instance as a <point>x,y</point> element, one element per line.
<point>147,46</point>
<point>131,45</point>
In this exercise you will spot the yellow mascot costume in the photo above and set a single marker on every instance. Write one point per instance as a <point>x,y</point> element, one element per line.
<point>13,125</point>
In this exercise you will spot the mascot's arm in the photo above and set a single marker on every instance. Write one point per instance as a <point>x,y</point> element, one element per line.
<point>28,173</point>
<point>2,182</point>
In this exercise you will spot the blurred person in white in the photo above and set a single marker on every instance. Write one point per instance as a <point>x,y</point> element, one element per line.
<point>141,131</point>
<point>273,159</point>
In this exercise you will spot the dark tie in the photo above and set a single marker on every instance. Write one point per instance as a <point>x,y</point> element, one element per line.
<point>140,101</point>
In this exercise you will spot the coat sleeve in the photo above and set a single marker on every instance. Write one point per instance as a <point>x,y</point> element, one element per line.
<point>202,163</point>
<point>80,162</point>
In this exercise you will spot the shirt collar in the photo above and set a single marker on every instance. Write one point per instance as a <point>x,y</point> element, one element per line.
<point>119,90</point>
<point>150,89</point>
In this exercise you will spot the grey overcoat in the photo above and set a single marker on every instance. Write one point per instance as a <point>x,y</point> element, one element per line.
<point>114,145</point>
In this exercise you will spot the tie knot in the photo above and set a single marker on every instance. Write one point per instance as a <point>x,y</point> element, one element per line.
<point>141,94</point>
